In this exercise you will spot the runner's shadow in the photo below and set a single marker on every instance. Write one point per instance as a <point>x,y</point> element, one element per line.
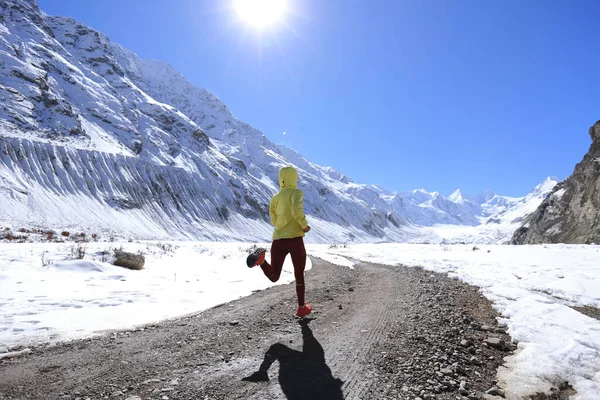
<point>303,375</point>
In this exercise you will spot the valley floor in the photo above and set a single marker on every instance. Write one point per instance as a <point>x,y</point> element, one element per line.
<point>387,331</point>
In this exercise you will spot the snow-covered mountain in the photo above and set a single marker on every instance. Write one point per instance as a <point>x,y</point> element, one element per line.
<point>93,137</point>
<point>499,217</point>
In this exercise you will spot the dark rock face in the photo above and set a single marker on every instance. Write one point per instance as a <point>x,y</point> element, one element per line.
<point>571,212</point>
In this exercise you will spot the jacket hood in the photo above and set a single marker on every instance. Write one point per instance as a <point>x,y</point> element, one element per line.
<point>288,177</point>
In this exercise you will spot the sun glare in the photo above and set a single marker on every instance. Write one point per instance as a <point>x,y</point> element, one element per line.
<point>260,13</point>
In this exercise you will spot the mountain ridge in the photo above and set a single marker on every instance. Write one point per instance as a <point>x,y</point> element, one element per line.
<point>67,90</point>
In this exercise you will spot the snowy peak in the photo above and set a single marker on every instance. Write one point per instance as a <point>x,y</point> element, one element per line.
<point>456,197</point>
<point>545,187</point>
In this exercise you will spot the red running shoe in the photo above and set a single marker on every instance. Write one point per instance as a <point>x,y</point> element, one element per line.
<point>304,310</point>
<point>255,258</point>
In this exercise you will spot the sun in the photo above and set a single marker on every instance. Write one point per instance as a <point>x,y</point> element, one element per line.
<point>261,13</point>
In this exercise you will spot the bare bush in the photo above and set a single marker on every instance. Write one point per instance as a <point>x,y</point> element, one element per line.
<point>78,251</point>
<point>45,259</point>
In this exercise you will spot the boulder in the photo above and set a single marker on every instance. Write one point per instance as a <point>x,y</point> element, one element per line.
<point>129,260</point>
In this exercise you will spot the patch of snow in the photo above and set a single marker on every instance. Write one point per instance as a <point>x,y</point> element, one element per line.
<point>559,193</point>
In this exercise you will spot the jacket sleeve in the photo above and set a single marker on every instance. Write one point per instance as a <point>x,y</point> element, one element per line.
<point>272,213</point>
<point>298,208</point>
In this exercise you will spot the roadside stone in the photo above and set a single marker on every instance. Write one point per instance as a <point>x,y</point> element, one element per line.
<point>496,343</point>
<point>129,260</point>
<point>495,391</point>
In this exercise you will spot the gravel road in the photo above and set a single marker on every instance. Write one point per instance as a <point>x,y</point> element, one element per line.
<point>376,333</point>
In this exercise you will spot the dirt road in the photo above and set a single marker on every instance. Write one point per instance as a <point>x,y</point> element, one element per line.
<point>378,333</point>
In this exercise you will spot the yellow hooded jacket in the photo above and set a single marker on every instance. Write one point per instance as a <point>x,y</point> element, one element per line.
<point>286,208</point>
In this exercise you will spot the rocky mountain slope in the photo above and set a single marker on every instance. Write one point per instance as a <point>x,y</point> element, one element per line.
<point>571,213</point>
<point>95,138</point>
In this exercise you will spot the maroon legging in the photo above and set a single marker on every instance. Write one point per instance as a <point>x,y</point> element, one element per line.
<point>279,250</point>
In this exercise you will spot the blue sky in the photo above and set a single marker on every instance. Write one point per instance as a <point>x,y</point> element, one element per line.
<point>435,94</point>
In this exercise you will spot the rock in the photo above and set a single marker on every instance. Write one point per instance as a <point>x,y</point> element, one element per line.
<point>485,328</point>
<point>466,343</point>
<point>462,388</point>
<point>351,289</point>
<point>459,369</point>
<point>134,398</point>
<point>496,343</point>
<point>129,260</point>
<point>447,371</point>
<point>495,391</point>
<point>340,307</point>
<point>234,323</point>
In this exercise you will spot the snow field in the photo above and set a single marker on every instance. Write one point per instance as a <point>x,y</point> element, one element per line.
<point>47,297</point>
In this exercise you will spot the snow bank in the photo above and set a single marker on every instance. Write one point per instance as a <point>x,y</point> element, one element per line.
<point>534,288</point>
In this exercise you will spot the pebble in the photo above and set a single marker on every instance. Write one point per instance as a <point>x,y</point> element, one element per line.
<point>495,342</point>
<point>495,391</point>
<point>474,360</point>
<point>462,389</point>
